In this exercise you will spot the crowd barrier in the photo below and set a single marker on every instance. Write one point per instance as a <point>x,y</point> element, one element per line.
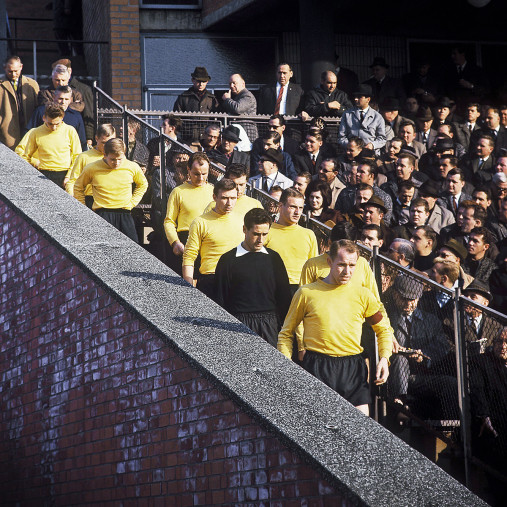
<point>442,391</point>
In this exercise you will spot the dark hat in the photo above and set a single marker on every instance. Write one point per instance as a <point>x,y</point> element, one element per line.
<point>274,156</point>
<point>375,201</point>
<point>379,60</point>
<point>445,102</point>
<point>367,154</point>
<point>200,74</point>
<point>444,144</point>
<point>410,150</point>
<point>430,188</point>
<point>457,248</point>
<point>231,133</point>
<point>480,287</point>
<point>363,89</point>
<point>408,287</point>
<point>390,104</point>
<point>424,114</point>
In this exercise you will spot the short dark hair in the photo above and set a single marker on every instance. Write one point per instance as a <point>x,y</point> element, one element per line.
<point>484,190</point>
<point>323,188</point>
<point>105,129</point>
<point>257,216</point>
<point>489,138</point>
<point>54,111</point>
<point>373,168</point>
<point>114,146</point>
<point>406,184</point>
<point>278,117</point>
<point>272,134</point>
<point>236,171</point>
<point>420,202</point>
<point>306,175</point>
<point>409,157</point>
<point>290,192</point>
<point>452,160</point>
<point>429,232</point>
<point>364,186</point>
<point>374,227</point>
<point>199,157</point>
<point>357,140</point>
<point>457,171</point>
<point>174,121</point>
<point>487,237</point>
<point>63,89</point>
<point>343,230</point>
<point>224,185</point>
<point>212,126</point>
<point>315,134</point>
<point>346,244</point>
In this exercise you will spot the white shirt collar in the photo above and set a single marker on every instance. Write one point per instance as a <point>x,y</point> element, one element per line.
<point>240,251</point>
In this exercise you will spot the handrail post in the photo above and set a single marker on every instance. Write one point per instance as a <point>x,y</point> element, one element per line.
<point>100,64</point>
<point>95,105</point>
<point>125,125</point>
<point>462,377</point>
<point>163,192</point>
<point>379,405</point>
<point>34,49</point>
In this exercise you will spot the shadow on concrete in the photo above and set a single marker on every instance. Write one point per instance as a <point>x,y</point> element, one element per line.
<point>236,327</point>
<point>174,280</point>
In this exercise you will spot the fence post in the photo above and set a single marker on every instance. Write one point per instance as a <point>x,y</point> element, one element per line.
<point>125,125</point>
<point>162,181</point>
<point>462,376</point>
<point>100,64</point>
<point>95,105</point>
<point>34,46</point>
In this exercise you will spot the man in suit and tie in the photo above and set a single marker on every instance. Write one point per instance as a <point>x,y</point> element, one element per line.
<point>479,165</point>
<point>326,99</point>
<point>269,172</point>
<point>425,134</point>
<point>311,156</point>
<point>283,97</point>
<point>390,110</point>
<point>454,195</point>
<point>466,130</point>
<point>363,121</point>
<point>495,129</point>
<point>18,100</point>
<point>382,85</point>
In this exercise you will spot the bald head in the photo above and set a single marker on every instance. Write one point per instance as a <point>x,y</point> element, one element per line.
<point>236,83</point>
<point>328,81</point>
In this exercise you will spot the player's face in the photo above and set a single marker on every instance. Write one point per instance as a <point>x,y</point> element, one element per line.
<point>52,123</point>
<point>225,201</point>
<point>241,184</point>
<point>342,267</point>
<point>255,237</point>
<point>114,160</point>
<point>101,141</point>
<point>290,212</point>
<point>198,174</point>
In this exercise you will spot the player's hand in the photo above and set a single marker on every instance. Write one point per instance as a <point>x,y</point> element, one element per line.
<point>382,371</point>
<point>396,346</point>
<point>178,248</point>
<point>417,356</point>
<point>301,354</point>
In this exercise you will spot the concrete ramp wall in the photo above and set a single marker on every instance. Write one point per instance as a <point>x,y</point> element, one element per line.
<point>122,385</point>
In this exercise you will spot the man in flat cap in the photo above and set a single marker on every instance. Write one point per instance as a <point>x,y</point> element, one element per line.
<point>363,121</point>
<point>197,99</point>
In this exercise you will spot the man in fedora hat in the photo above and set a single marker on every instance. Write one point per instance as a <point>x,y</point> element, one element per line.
<point>443,110</point>
<point>439,217</point>
<point>383,85</point>
<point>425,134</point>
<point>226,154</point>
<point>363,121</point>
<point>197,99</point>
<point>269,175</point>
<point>390,111</point>
<point>455,252</point>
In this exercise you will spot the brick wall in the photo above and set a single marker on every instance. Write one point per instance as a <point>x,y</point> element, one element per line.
<point>118,22</point>
<point>96,407</point>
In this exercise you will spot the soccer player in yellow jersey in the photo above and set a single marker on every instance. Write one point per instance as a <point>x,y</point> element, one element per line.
<point>211,235</point>
<point>53,147</point>
<point>333,311</point>
<point>185,203</point>
<point>111,180</point>
<point>105,132</point>
<point>294,244</point>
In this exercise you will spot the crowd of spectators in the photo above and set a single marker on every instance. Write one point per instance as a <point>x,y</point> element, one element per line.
<point>416,168</point>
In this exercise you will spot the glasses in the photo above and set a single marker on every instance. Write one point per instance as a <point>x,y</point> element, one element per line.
<point>392,250</point>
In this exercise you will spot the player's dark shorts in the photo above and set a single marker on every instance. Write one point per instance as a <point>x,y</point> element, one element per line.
<point>347,375</point>
<point>265,324</point>
<point>121,219</point>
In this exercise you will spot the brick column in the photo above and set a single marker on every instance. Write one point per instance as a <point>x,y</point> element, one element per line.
<point>125,52</point>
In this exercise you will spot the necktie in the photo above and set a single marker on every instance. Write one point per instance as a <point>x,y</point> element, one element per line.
<point>470,128</point>
<point>460,70</point>
<point>454,205</point>
<point>265,184</point>
<point>279,100</point>
<point>362,116</point>
<point>313,160</point>
<point>15,86</point>
<point>481,161</point>
<point>425,137</point>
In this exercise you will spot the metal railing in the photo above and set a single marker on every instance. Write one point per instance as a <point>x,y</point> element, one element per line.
<point>35,49</point>
<point>433,391</point>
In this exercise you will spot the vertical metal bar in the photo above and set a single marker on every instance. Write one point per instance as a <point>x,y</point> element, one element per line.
<point>462,376</point>
<point>125,126</point>
<point>95,105</point>
<point>163,190</point>
<point>100,65</point>
<point>378,406</point>
<point>34,50</point>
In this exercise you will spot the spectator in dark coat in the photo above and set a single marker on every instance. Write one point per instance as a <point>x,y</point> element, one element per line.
<point>197,99</point>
